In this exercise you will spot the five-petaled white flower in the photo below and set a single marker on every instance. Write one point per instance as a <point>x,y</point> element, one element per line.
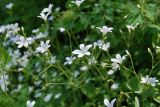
<point>118,59</point>
<point>78,2</point>
<point>105,29</point>
<point>109,104</point>
<point>43,46</point>
<point>69,60</point>
<point>30,103</point>
<point>147,80</point>
<point>24,42</point>
<point>83,50</point>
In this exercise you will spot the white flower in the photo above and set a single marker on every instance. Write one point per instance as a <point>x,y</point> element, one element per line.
<point>83,50</point>
<point>115,66</point>
<point>99,43</point>
<point>46,12</point>
<point>61,29</point>
<point>110,72</point>
<point>24,42</point>
<point>43,46</point>
<point>147,80</point>
<point>78,2</point>
<point>131,27</point>
<point>105,29</point>
<point>30,103</point>
<point>153,81</point>
<point>43,16</point>
<point>48,97</point>
<point>9,6</point>
<point>106,46</point>
<point>114,86</point>
<point>69,60</point>
<point>109,104</point>
<point>84,68</point>
<point>118,59</point>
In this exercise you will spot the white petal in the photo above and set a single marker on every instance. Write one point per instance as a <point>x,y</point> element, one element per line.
<point>77,52</point>
<point>81,46</point>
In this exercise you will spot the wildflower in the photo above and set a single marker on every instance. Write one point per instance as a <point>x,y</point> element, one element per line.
<point>69,60</point>
<point>9,6</point>
<point>99,43</point>
<point>46,12</point>
<point>147,80</point>
<point>105,29</point>
<point>109,104</point>
<point>48,97</point>
<point>78,2</point>
<point>114,86</point>
<point>131,27</point>
<point>83,50</point>
<point>43,16</point>
<point>115,66</point>
<point>153,81</point>
<point>118,59</point>
<point>110,72</point>
<point>30,103</point>
<point>43,46</point>
<point>61,29</point>
<point>23,42</point>
<point>106,46</point>
<point>84,68</point>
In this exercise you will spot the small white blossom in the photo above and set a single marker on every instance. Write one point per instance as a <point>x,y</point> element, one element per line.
<point>110,72</point>
<point>69,60</point>
<point>83,50</point>
<point>61,29</point>
<point>78,2</point>
<point>105,29</point>
<point>114,86</point>
<point>115,66</point>
<point>24,42</point>
<point>147,80</point>
<point>9,6</point>
<point>118,59</point>
<point>131,27</point>
<point>106,46</point>
<point>46,12</point>
<point>109,104</point>
<point>84,68</point>
<point>30,103</point>
<point>48,97</point>
<point>99,43</point>
<point>43,46</point>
